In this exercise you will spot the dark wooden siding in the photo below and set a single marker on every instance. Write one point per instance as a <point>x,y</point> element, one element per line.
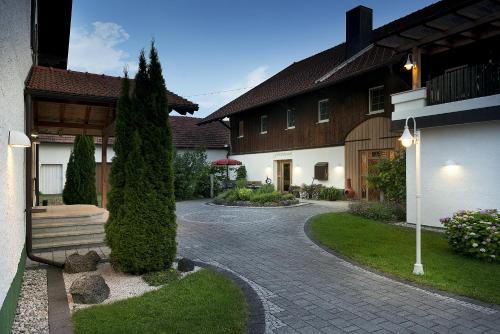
<point>348,107</point>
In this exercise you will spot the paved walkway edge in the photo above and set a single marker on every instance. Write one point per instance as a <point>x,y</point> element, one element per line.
<point>256,315</point>
<point>444,294</point>
<point>59,315</point>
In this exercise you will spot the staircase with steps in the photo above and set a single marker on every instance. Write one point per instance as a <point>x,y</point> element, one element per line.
<point>63,227</point>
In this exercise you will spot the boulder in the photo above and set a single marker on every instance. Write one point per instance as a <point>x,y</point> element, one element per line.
<point>89,289</point>
<point>76,263</point>
<point>185,265</point>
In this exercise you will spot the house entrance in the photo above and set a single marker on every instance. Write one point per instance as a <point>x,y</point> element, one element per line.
<point>284,175</point>
<point>367,160</point>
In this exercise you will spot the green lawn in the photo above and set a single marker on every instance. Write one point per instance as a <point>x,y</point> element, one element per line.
<point>391,249</point>
<point>204,302</point>
<point>56,199</point>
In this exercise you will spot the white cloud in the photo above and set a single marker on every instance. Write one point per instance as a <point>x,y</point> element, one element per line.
<point>211,103</point>
<point>98,51</point>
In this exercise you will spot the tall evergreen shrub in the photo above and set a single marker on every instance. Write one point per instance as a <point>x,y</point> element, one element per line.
<point>142,227</point>
<point>80,173</point>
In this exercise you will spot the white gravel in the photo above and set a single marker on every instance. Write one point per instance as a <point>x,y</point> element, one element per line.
<point>121,286</point>
<point>32,314</point>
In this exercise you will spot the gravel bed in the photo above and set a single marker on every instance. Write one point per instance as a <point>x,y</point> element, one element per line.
<point>121,286</point>
<point>32,314</point>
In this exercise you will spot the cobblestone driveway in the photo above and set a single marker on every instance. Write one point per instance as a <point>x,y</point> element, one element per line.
<point>307,290</point>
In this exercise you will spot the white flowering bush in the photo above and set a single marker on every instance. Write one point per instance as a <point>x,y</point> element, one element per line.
<point>475,233</point>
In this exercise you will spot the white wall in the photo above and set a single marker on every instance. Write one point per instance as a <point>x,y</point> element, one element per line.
<point>58,153</point>
<point>15,63</point>
<point>262,165</point>
<point>473,183</point>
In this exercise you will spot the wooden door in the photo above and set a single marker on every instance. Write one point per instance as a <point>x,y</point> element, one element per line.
<point>366,162</point>
<point>284,175</point>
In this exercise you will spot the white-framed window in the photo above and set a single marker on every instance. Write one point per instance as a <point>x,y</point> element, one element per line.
<point>376,100</point>
<point>263,124</point>
<point>240,129</point>
<point>323,114</point>
<point>290,119</point>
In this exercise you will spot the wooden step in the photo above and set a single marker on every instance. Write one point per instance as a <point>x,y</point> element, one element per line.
<point>60,226</point>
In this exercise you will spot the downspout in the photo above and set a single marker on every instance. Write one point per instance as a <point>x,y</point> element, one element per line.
<point>28,158</point>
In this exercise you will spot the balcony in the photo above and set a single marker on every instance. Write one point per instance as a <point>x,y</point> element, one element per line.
<point>464,82</point>
<point>461,95</point>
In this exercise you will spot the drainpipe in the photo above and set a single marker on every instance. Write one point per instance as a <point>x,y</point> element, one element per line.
<point>29,189</point>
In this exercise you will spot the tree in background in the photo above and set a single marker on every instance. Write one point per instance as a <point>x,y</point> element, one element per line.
<point>80,174</point>
<point>389,176</point>
<point>191,174</point>
<point>241,173</point>
<point>142,214</point>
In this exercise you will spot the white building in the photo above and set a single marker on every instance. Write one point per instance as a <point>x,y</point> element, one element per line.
<point>20,48</point>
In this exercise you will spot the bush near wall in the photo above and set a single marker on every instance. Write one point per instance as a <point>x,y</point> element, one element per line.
<point>474,233</point>
<point>381,211</point>
<point>389,176</point>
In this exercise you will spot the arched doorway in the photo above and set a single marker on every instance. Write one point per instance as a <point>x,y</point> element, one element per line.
<point>367,143</point>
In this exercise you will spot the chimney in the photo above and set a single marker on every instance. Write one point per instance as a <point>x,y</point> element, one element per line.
<point>359,26</point>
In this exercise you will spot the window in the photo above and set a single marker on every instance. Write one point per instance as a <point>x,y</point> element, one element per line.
<point>376,100</point>
<point>323,115</point>
<point>290,119</point>
<point>240,129</point>
<point>263,124</point>
<point>321,171</point>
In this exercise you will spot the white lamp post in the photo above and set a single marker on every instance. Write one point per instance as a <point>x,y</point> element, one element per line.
<point>407,140</point>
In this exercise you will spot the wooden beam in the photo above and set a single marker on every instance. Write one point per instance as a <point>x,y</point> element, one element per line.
<point>416,71</point>
<point>453,31</point>
<point>69,125</point>
<point>104,170</point>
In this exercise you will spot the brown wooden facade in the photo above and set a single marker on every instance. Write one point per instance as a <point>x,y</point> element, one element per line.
<point>348,107</point>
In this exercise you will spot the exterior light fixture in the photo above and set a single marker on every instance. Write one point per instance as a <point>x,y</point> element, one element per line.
<point>18,139</point>
<point>450,163</point>
<point>409,62</point>
<point>407,139</point>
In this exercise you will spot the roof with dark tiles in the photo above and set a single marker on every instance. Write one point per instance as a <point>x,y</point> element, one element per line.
<point>74,83</point>
<point>186,134</point>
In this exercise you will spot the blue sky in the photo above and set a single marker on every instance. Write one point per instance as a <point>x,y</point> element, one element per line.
<point>212,46</point>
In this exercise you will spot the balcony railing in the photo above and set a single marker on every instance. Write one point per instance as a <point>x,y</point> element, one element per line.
<point>465,82</point>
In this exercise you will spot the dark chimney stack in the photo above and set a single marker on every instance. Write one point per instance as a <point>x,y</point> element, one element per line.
<point>359,27</point>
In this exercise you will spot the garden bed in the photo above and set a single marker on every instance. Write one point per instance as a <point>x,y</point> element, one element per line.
<point>265,196</point>
<point>204,302</point>
<point>391,249</point>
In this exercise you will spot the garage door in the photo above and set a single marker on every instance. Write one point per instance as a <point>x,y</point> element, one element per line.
<point>51,179</point>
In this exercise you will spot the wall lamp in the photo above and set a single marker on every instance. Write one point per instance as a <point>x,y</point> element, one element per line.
<point>18,139</point>
<point>409,62</point>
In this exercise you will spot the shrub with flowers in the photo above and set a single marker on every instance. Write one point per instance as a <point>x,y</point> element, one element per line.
<point>475,233</point>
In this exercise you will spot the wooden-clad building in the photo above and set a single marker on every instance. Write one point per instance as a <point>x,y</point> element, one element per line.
<point>334,109</point>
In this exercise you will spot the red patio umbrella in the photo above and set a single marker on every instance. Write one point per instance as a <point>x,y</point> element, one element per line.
<point>227,163</point>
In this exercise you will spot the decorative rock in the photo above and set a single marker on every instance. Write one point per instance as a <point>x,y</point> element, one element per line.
<point>89,289</point>
<point>185,265</point>
<point>76,263</point>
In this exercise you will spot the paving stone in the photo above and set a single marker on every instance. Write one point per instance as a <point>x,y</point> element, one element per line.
<point>303,287</point>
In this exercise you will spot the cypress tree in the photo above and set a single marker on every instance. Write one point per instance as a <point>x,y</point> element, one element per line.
<point>80,173</point>
<point>142,227</point>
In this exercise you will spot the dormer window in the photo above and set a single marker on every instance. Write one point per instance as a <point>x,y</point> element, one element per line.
<point>376,100</point>
<point>323,114</point>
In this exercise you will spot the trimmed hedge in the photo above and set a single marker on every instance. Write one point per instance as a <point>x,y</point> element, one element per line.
<point>264,196</point>
<point>381,211</point>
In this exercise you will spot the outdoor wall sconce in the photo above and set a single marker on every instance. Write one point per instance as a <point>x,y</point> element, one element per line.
<point>409,62</point>
<point>18,139</point>
<point>450,163</point>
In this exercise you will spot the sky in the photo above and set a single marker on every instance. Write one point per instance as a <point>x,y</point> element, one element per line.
<point>212,51</point>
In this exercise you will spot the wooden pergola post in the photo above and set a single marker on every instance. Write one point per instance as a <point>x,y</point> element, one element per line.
<point>104,170</point>
<point>416,72</point>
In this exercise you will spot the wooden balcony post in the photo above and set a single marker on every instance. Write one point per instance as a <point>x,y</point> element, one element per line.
<point>416,72</point>
<point>104,170</point>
